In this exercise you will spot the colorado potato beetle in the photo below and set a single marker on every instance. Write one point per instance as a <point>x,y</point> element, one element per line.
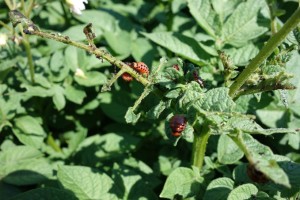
<point>177,125</point>
<point>140,67</point>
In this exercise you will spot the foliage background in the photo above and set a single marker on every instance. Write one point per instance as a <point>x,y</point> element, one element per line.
<point>62,132</point>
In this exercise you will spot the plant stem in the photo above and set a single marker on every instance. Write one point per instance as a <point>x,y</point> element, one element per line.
<point>262,88</point>
<point>51,142</point>
<point>199,145</point>
<point>31,5</point>
<point>108,85</point>
<point>66,15</point>
<point>272,9</point>
<point>266,51</point>
<point>100,53</point>
<point>29,57</point>
<point>141,97</point>
<point>6,26</point>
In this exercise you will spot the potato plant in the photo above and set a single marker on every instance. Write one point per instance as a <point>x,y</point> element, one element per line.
<point>195,99</point>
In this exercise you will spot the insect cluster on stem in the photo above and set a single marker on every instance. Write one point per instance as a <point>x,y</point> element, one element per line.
<point>140,67</point>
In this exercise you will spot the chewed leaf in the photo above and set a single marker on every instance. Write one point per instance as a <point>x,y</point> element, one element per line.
<point>154,112</point>
<point>131,117</point>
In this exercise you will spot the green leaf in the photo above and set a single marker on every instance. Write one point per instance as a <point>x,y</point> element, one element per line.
<point>177,5</point>
<point>264,160</point>
<point>71,58</point>
<point>145,171</point>
<point>9,106</point>
<point>243,55</point>
<point>168,77</point>
<point>258,150</point>
<point>23,165</point>
<point>36,91</point>
<point>217,99</point>
<point>228,151</point>
<point>91,105</point>
<point>58,97</point>
<point>107,22</point>
<point>45,194</point>
<point>72,32</point>
<point>292,139</point>
<point>115,104</point>
<point>240,174</point>
<point>173,94</point>
<point>7,65</point>
<point>131,184</point>
<point>292,169</point>
<point>93,78</point>
<point>85,182</point>
<point>58,69</point>
<point>166,164</point>
<point>219,189</point>
<point>245,191</point>
<point>270,117</point>
<point>183,181</point>
<point>7,191</point>
<point>293,67</point>
<point>119,41</point>
<point>143,50</point>
<point>155,111</point>
<point>188,133</point>
<point>182,45</point>
<point>28,124</point>
<point>74,94</point>
<point>29,131</point>
<point>193,95</point>
<point>243,123</point>
<point>97,148</point>
<point>42,81</point>
<point>205,16</point>
<point>77,58</point>
<point>273,171</point>
<point>242,25</point>
<point>248,125</point>
<point>55,62</point>
<point>73,139</point>
<point>224,8</point>
<point>131,117</point>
